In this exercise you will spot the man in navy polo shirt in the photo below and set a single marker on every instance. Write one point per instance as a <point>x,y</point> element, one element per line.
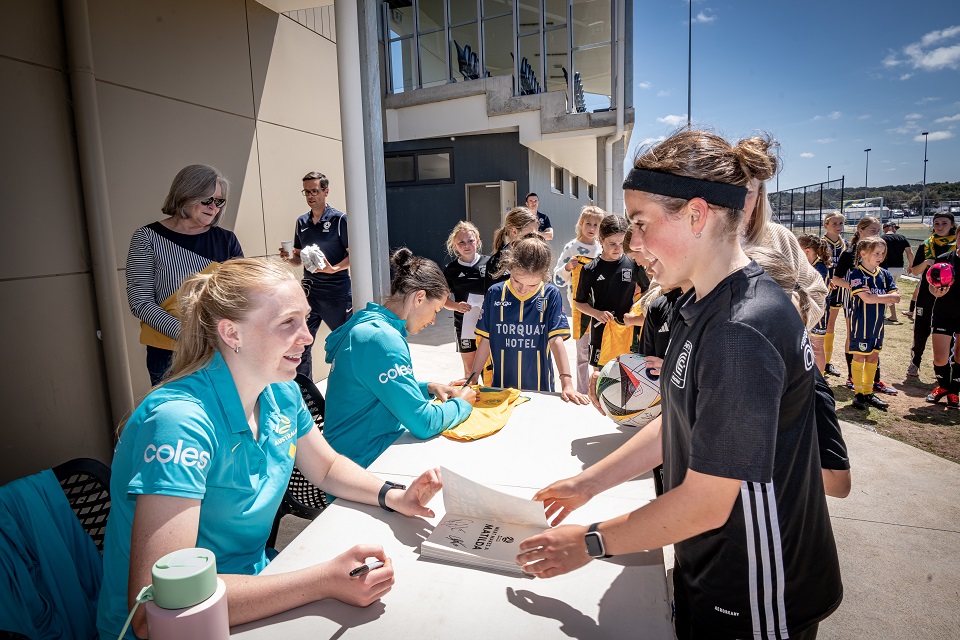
<point>328,289</point>
<point>544,226</point>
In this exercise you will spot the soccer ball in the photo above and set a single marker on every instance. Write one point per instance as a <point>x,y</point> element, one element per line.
<point>628,393</point>
<point>940,274</point>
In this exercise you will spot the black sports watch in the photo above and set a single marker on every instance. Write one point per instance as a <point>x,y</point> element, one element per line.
<point>382,498</point>
<point>594,542</point>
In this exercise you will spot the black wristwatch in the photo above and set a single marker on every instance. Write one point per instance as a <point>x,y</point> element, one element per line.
<point>594,541</point>
<point>382,498</point>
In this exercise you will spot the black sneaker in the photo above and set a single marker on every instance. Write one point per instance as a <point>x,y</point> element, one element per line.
<point>874,401</point>
<point>858,402</point>
<point>832,370</point>
<point>937,393</point>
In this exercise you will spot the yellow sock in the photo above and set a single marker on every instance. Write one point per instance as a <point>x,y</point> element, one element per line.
<point>869,373</point>
<point>856,367</point>
<point>828,347</point>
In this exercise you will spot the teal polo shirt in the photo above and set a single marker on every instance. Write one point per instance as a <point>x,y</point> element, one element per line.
<point>190,439</point>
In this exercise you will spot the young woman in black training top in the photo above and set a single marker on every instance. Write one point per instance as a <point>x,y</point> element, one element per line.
<point>465,275</point>
<point>744,503</point>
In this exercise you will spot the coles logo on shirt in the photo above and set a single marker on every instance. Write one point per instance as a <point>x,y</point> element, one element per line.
<point>170,454</point>
<point>394,372</point>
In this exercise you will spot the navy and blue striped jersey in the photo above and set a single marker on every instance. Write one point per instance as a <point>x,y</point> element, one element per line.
<point>519,329</point>
<point>866,318</point>
<point>824,272</point>
<point>836,248</point>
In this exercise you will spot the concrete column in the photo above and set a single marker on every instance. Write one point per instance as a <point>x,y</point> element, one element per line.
<point>619,151</point>
<point>360,121</point>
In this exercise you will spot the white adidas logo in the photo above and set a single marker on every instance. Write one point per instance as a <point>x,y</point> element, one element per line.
<point>664,328</point>
<point>599,278</point>
<point>462,275</point>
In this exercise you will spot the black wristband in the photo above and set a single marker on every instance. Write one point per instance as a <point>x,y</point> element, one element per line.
<point>382,498</point>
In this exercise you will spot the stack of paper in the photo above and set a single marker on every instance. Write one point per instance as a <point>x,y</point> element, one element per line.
<point>482,527</point>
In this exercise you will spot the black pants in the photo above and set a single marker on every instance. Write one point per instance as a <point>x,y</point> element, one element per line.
<point>332,308</point>
<point>158,362</point>
<point>923,314</point>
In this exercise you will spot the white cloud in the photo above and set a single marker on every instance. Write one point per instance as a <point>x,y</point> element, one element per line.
<point>948,118</point>
<point>673,121</point>
<point>644,85</point>
<point>825,140</point>
<point>833,115</point>
<point>865,116</point>
<point>931,53</point>
<point>806,155</point>
<point>906,76</point>
<point>927,100</point>
<point>663,93</point>
<point>704,18</point>
<point>891,169</point>
<point>648,141</point>
<point>912,116</point>
<point>935,136</point>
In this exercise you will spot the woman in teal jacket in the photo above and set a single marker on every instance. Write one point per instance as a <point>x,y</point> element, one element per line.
<point>372,393</point>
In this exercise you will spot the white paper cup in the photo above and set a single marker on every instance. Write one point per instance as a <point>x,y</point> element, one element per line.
<point>287,246</point>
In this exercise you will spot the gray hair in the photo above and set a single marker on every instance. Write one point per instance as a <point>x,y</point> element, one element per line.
<point>192,184</point>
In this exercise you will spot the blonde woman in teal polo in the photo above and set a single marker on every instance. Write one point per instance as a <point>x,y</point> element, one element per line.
<point>204,460</point>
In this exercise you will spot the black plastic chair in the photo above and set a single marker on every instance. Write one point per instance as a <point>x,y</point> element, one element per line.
<point>302,498</point>
<point>87,485</point>
<point>468,62</point>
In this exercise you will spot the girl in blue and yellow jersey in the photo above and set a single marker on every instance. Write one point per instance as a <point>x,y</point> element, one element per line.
<point>819,256</point>
<point>871,288</point>
<point>833,226</point>
<point>523,326</point>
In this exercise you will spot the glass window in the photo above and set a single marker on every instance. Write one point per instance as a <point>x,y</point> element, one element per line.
<point>556,178</point>
<point>433,166</point>
<point>462,11</point>
<point>530,51</point>
<point>590,192</point>
<point>400,21</point>
<point>574,186</point>
<point>556,42</point>
<point>433,59</point>
<point>430,14</point>
<point>555,13</point>
<point>463,36</point>
<point>591,22</point>
<point>498,45</point>
<point>398,168</point>
<point>593,65</point>
<point>496,7</point>
<point>528,17</point>
<point>401,62</point>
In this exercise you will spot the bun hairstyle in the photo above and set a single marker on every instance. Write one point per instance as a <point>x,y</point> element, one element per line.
<point>707,156</point>
<point>231,292</point>
<point>516,219</point>
<point>412,273</point>
<point>461,227</point>
<point>784,275</point>
<point>762,163</point>
<point>818,245</point>
<point>530,254</point>
<point>611,225</point>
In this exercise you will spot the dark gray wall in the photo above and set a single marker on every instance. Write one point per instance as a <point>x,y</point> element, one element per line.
<point>421,217</point>
<point>561,207</point>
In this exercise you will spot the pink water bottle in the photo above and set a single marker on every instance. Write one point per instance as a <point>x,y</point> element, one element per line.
<point>189,600</point>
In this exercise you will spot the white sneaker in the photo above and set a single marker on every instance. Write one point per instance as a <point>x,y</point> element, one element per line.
<point>913,371</point>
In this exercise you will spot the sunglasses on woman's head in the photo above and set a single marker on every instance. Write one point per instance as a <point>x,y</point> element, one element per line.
<point>218,202</point>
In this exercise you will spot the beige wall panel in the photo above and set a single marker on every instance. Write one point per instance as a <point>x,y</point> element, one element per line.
<point>54,398</point>
<point>295,75</point>
<point>136,352</point>
<point>184,49</point>
<point>44,229</point>
<point>248,221</point>
<point>286,155</point>
<point>32,31</point>
<point>147,139</point>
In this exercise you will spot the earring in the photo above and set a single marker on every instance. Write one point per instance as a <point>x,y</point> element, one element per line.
<point>236,349</point>
<point>697,235</point>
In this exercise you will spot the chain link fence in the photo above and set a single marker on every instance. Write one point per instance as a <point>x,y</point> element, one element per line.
<point>802,209</point>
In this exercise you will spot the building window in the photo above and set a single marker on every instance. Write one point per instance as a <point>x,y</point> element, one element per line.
<point>590,192</point>
<point>556,178</point>
<point>430,166</point>
<point>574,186</point>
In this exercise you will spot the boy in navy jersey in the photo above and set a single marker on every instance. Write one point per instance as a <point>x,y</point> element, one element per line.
<point>606,287</point>
<point>523,326</point>
<point>871,287</point>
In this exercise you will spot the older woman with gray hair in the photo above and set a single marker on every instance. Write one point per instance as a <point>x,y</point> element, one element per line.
<point>165,253</point>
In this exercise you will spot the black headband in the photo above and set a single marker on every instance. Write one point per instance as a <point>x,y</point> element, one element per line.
<point>668,184</point>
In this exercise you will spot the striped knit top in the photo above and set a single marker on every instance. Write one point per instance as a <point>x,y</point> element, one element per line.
<point>157,264</point>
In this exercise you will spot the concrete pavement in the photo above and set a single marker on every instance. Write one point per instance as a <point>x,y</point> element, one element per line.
<point>898,533</point>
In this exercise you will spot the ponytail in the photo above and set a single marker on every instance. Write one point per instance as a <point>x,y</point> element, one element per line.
<point>516,219</point>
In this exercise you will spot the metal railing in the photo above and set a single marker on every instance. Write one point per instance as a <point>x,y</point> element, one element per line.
<point>802,209</point>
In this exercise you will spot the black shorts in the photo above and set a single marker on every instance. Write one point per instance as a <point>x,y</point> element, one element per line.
<point>836,297</point>
<point>463,346</point>
<point>944,325</point>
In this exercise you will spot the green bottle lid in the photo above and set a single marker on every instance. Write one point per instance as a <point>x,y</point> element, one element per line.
<point>184,578</point>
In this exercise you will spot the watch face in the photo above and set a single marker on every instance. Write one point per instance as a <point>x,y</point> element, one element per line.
<point>594,544</point>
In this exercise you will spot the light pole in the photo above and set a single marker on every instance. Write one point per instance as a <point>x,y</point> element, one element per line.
<point>828,172</point>
<point>866,173</point>
<point>923,198</point>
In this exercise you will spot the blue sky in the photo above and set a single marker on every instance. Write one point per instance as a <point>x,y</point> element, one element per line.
<point>826,79</point>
